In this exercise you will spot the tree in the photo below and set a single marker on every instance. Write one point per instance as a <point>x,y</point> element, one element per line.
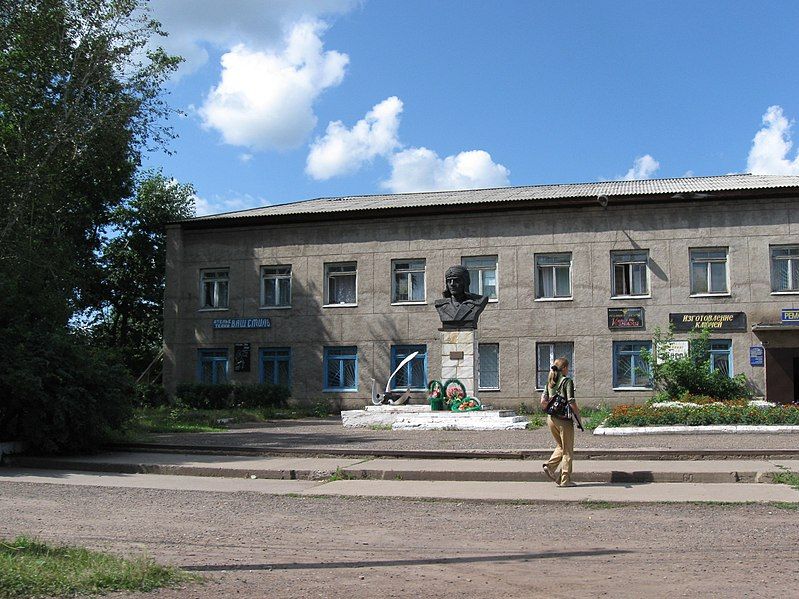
<point>133,264</point>
<point>80,100</point>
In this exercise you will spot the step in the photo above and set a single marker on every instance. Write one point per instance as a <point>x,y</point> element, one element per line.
<point>417,417</point>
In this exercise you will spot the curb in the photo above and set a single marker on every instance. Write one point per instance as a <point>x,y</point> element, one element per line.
<point>467,454</point>
<point>718,429</point>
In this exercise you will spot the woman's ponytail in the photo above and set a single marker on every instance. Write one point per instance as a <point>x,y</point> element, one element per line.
<point>555,371</point>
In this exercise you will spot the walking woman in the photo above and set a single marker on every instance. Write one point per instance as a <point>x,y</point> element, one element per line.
<point>562,427</point>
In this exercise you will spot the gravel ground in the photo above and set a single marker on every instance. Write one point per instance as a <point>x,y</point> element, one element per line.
<point>330,433</point>
<point>248,545</point>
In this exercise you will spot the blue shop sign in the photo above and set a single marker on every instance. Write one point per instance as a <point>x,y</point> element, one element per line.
<point>757,355</point>
<point>242,323</point>
<point>790,316</point>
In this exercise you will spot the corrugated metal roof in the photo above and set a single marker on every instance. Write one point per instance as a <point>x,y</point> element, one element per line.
<point>532,193</point>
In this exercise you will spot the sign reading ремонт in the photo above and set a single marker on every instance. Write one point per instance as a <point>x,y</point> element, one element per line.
<point>242,323</point>
<point>789,316</point>
<point>716,321</point>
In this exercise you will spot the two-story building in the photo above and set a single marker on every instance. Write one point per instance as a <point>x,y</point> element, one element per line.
<point>325,295</point>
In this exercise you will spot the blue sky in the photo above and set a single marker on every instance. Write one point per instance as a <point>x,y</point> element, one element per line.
<point>441,95</point>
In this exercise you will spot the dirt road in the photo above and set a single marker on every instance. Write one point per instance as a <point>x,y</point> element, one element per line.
<point>249,545</point>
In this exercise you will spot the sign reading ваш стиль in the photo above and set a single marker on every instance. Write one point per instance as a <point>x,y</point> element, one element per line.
<point>242,323</point>
<point>717,321</point>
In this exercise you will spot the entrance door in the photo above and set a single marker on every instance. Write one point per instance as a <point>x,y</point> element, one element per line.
<point>796,379</point>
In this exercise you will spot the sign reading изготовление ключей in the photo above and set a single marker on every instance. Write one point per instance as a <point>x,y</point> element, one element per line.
<point>716,321</point>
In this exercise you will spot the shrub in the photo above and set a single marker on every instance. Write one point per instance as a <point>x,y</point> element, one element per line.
<point>673,377</point>
<point>703,415</point>
<point>151,395</point>
<point>60,394</point>
<point>221,397</point>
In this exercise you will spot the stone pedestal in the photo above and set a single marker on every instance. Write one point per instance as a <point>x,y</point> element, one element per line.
<point>459,358</point>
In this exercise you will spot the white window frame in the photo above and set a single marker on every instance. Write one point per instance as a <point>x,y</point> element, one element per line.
<point>480,386</point>
<point>274,278</point>
<point>476,273</point>
<point>545,368</point>
<point>708,261</point>
<point>793,284</point>
<point>617,352</point>
<point>408,272</point>
<point>617,259</point>
<point>206,277</point>
<point>328,275</point>
<point>539,297</point>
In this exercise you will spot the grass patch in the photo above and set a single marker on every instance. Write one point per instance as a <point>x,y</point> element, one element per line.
<point>785,505</point>
<point>787,477</point>
<point>380,427</point>
<point>536,421</point>
<point>180,419</point>
<point>339,474</point>
<point>590,417</point>
<point>594,504</point>
<point>29,568</point>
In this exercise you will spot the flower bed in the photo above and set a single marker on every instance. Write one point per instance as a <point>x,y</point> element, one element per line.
<point>730,412</point>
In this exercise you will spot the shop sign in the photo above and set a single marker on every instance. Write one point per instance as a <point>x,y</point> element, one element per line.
<point>242,323</point>
<point>716,321</point>
<point>625,318</point>
<point>241,357</point>
<point>757,355</point>
<point>674,349</point>
<point>789,316</point>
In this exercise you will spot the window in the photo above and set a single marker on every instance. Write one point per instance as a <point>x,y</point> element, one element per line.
<point>629,368</point>
<point>276,365</point>
<point>276,286</point>
<point>546,354</point>
<point>408,283</point>
<point>708,271</point>
<point>213,366</point>
<point>630,276</point>
<point>214,288</point>
<point>482,275</point>
<point>341,283</point>
<point>488,360</point>
<point>341,368</point>
<point>414,373</point>
<point>785,268</point>
<point>721,356</point>
<point>553,275</point>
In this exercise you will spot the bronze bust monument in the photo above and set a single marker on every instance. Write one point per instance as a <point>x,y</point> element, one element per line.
<point>459,309</point>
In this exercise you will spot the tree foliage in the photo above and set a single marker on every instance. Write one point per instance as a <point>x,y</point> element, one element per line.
<point>676,376</point>
<point>80,101</point>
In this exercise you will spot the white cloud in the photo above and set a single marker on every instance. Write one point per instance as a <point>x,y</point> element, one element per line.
<point>230,203</point>
<point>265,98</point>
<point>420,169</point>
<point>771,145</point>
<point>643,168</point>
<point>342,151</point>
<point>245,157</point>
<point>196,25</point>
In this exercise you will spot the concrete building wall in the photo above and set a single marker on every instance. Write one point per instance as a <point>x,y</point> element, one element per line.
<point>517,321</point>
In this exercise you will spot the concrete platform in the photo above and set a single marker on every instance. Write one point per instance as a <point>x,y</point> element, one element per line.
<point>421,417</point>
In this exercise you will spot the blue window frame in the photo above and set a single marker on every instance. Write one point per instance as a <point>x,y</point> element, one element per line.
<point>414,373</point>
<point>212,366</point>
<point>629,368</point>
<point>341,368</point>
<point>721,356</point>
<point>276,365</point>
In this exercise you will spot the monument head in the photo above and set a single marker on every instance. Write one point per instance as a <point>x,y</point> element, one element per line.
<point>459,309</point>
<point>457,282</point>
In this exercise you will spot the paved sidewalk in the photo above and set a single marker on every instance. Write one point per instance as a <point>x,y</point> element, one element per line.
<point>286,468</point>
<point>321,435</point>
<point>461,491</point>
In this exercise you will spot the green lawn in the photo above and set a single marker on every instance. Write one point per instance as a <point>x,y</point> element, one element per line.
<point>591,417</point>
<point>29,568</point>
